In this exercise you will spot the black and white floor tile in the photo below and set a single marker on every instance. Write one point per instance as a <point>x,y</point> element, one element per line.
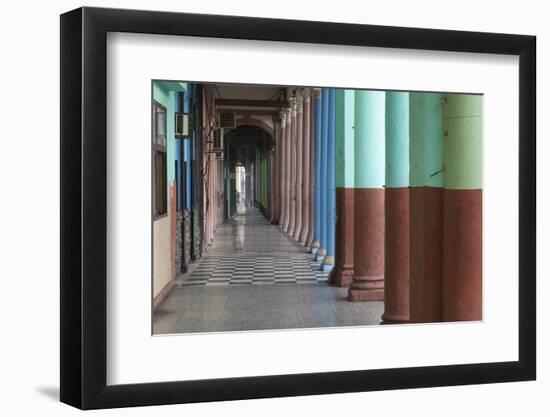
<point>256,268</point>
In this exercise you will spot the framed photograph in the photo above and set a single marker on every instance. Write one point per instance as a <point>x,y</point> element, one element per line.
<point>257,208</point>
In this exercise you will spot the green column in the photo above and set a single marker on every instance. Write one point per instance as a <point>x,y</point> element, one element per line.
<point>462,141</point>
<point>396,245</point>
<point>368,274</point>
<point>462,208</point>
<point>426,206</point>
<point>344,178</point>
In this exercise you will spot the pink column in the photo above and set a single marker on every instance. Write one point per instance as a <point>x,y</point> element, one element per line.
<point>282,162</point>
<point>312,208</point>
<point>272,184</point>
<point>305,166</point>
<point>288,164</point>
<point>276,177</point>
<point>293,159</point>
<point>299,167</point>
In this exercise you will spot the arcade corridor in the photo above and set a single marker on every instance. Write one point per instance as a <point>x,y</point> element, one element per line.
<point>255,278</point>
<point>283,207</point>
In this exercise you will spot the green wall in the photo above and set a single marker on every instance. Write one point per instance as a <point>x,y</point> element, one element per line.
<point>164,93</point>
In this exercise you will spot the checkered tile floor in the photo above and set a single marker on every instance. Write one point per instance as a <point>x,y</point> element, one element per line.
<point>256,268</point>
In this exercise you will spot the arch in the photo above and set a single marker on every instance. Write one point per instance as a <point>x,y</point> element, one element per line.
<point>252,121</point>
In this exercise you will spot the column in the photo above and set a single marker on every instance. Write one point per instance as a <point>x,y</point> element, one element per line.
<point>317,177</point>
<point>426,207</point>
<point>306,157</point>
<point>283,171</point>
<point>328,261</point>
<point>311,191</point>
<point>462,208</point>
<point>276,171</point>
<point>288,140</point>
<point>293,123</point>
<point>299,166</point>
<point>396,261</point>
<point>344,178</point>
<point>368,273</point>
<point>323,176</point>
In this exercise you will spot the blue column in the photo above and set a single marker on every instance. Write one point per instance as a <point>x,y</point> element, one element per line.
<point>328,262</point>
<point>187,109</point>
<point>324,174</point>
<point>177,99</point>
<point>317,180</point>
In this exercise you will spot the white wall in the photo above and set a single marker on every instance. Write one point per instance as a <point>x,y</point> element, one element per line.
<point>29,223</point>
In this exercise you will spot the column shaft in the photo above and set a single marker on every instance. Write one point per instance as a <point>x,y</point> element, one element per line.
<point>317,177</point>
<point>292,222</point>
<point>306,157</point>
<point>323,176</point>
<point>283,171</point>
<point>310,232</point>
<point>328,262</point>
<point>368,274</point>
<point>396,274</point>
<point>288,164</point>
<point>462,208</point>
<point>426,207</point>
<point>299,167</point>
<point>344,178</point>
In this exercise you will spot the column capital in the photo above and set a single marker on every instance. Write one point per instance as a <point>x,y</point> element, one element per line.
<point>316,93</point>
<point>293,106</point>
<point>299,103</point>
<point>282,115</point>
<point>306,94</point>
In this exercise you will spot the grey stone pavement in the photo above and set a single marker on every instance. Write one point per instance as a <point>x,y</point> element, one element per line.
<point>232,305</point>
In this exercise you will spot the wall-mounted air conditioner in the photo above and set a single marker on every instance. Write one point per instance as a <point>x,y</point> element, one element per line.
<point>182,126</point>
<point>227,120</point>
<point>217,139</point>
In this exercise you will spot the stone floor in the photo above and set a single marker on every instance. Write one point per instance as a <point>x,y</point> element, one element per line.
<point>254,277</point>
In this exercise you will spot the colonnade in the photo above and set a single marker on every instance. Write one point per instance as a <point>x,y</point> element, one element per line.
<point>408,178</point>
<point>384,189</point>
<point>304,171</point>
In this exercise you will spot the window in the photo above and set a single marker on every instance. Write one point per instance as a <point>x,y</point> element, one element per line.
<point>160,193</point>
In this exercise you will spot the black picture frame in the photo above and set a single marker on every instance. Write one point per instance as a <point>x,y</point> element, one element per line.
<point>84,207</point>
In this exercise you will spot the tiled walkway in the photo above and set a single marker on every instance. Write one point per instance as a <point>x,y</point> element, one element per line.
<point>226,290</point>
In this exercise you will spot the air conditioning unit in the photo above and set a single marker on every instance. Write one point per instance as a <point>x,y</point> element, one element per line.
<point>182,125</point>
<point>227,120</point>
<point>217,139</point>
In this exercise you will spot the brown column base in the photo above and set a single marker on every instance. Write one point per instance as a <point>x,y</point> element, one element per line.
<point>368,254</point>
<point>394,319</point>
<point>426,254</point>
<point>396,285</point>
<point>462,255</point>
<point>342,274</point>
<point>366,288</point>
